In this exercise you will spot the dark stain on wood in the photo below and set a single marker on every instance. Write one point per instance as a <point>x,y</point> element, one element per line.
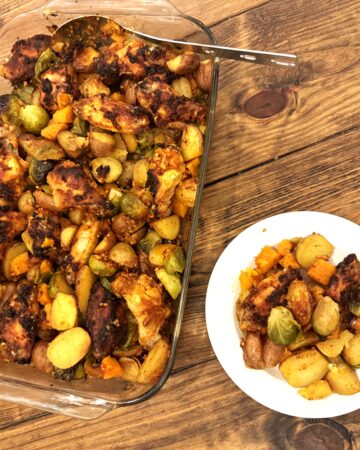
<point>266,103</point>
<point>318,435</point>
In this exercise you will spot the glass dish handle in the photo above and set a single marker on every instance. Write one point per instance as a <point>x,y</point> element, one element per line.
<point>81,407</point>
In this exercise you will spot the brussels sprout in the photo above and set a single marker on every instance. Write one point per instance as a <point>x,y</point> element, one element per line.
<point>174,261</point>
<point>354,302</point>
<point>171,281</point>
<point>24,93</point>
<point>38,170</point>
<point>149,241</point>
<point>26,203</point>
<point>34,118</point>
<point>132,330</point>
<point>41,148</point>
<point>106,169</point>
<point>45,60</point>
<point>325,317</point>
<point>282,327</point>
<point>351,352</point>
<point>124,255</point>
<point>102,267</point>
<point>133,206</point>
<point>10,107</point>
<point>146,139</point>
<point>80,127</point>
<point>305,339</point>
<point>59,284</point>
<point>73,144</point>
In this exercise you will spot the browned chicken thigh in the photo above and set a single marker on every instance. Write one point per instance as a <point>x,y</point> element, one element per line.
<point>18,324</point>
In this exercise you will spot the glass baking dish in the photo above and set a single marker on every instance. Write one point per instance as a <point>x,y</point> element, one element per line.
<point>92,398</point>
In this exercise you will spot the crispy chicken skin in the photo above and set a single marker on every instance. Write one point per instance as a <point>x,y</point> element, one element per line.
<point>162,102</point>
<point>347,273</point>
<point>12,178</point>
<point>18,324</point>
<point>254,311</point>
<point>24,55</point>
<point>111,115</point>
<point>60,79</point>
<point>135,61</point>
<point>166,170</point>
<point>145,299</point>
<point>44,229</point>
<point>72,186</point>
<point>12,223</point>
<point>105,320</point>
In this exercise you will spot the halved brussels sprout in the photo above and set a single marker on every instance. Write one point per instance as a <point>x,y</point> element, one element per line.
<point>44,62</point>
<point>325,317</point>
<point>59,284</point>
<point>73,144</point>
<point>102,267</point>
<point>80,127</point>
<point>114,196</point>
<point>34,118</point>
<point>132,206</point>
<point>106,169</point>
<point>149,241</point>
<point>38,170</point>
<point>24,93</point>
<point>174,261</point>
<point>282,327</point>
<point>171,281</point>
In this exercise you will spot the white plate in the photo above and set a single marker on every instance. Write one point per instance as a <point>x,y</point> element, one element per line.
<point>268,387</point>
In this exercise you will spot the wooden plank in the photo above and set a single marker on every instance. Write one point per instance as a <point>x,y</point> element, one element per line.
<point>203,409</point>
<point>319,99</point>
<point>12,415</point>
<point>207,11</point>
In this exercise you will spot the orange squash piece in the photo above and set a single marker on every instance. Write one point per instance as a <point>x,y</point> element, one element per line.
<point>321,271</point>
<point>267,259</point>
<point>111,368</point>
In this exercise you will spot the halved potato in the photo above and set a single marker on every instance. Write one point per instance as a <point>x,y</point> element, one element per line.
<point>64,312</point>
<point>85,279</point>
<point>311,248</point>
<point>67,235</point>
<point>192,142</point>
<point>304,368</point>
<point>12,252</point>
<point>155,362</point>
<point>343,379</point>
<point>69,347</point>
<point>167,228</point>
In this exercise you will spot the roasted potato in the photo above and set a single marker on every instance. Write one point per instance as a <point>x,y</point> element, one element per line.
<point>154,364</point>
<point>311,248</point>
<point>68,348</point>
<point>343,379</point>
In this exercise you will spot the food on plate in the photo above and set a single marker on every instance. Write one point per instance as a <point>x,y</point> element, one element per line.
<point>299,311</point>
<point>100,146</point>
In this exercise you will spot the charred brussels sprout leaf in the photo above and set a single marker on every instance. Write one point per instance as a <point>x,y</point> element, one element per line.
<point>44,62</point>
<point>282,327</point>
<point>25,93</point>
<point>149,241</point>
<point>80,127</point>
<point>38,170</point>
<point>133,206</point>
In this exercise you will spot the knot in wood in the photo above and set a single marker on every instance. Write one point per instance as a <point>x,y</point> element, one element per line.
<point>266,103</point>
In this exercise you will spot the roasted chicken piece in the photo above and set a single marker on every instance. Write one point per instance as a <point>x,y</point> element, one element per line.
<point>18,324</point>
<point>12,223</point>
<point>111,115</point>
<point>254,311</point>
<point>72,186</point>
<point>8,138</point>
<point>136,60</point>
<point>57,80</point>
<point>145,299</point>
<point>260,352</point>
<point>12,178</point>
<point>162,102</point>
<point>347,273</point>
<point>105,320</point>
<point>166,171</point>
<point>44,230</point>
<point>24,55</point>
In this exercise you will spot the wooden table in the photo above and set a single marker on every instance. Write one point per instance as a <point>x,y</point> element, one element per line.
<point>284,140</point>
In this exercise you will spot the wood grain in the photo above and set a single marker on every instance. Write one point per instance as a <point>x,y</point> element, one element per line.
<point>191,398</point>
<point>322,95</point>
<point>302,154</point>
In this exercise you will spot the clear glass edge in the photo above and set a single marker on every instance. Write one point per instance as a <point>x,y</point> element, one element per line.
<point>98,405</point>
